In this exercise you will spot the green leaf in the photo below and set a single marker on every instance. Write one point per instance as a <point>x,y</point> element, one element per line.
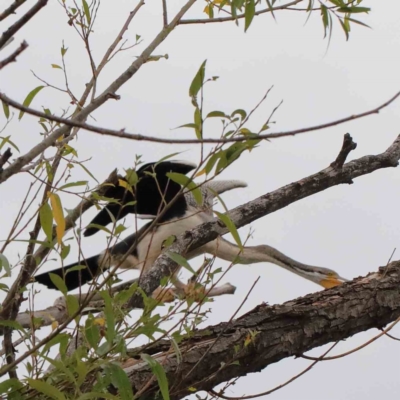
<point>198,122</point>
<point>56,66</point>
<point>188,183</point>
<point>46,220</point>
<point>73,184</point>
<point>159,372</point>
<point>249,13</point>
<point>354,10</point>
<point>62,339</point>
<point>231,226</point>
<point>6,110</point>
<point>12,383</point>
<point>7,140</point>
<point>29,98</point>
<point>72,304</point>
<point>45,388</point>
<point>65,249</point>
<point>87,11</point>
<point>101,227</point>
<point>12,324</point>
<point>198,80</point>
<point>5,264</point>
<point>240,112</point>
<point>109,313</point>
<point>214,114</point>
<point>120,380</point>
<point>180,260</point>
<point>88,172</point>
<point>59,283</point>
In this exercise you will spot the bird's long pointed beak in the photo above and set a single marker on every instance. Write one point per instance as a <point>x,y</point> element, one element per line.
<point>332,281</point>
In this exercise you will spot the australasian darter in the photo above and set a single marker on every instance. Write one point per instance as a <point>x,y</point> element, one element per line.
<point>152,193</point>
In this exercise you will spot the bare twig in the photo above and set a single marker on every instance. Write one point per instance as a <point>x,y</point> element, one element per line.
<point>348,146</point>
<point>13,29</point>
<point>165,12</point>
<point>13,56</point>
<point>138,137</point>
<point>11,9</point>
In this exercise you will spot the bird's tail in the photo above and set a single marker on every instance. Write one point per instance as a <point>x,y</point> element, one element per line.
<point>74,275</point>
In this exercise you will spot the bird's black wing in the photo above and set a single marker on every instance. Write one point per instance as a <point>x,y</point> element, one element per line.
<point>153,191</point>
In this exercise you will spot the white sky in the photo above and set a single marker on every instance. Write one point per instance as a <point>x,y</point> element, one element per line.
<point>352,229</point>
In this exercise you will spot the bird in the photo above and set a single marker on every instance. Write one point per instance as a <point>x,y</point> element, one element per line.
<point>186,214</point>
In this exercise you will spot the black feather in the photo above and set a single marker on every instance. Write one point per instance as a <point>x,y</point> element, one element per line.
<point>152,193</point>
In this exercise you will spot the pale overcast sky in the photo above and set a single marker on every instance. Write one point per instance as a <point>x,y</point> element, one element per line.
<point>352,229</point>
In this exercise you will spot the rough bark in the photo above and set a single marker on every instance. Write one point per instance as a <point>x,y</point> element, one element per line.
<point>264,205</point>
<point>219,353</point>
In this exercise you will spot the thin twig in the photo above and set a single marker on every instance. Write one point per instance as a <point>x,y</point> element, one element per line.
<point>11,9</point>
<point>266,393</point>
<point>139,137</point>
<point>13,56</point>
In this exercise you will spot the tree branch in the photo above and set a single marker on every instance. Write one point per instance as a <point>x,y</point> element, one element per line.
<point>277,332</point>
<point>13,29</point>
<point>264,205</point>
<point>75,123</point>
<point>108,93</point>
<point>11,9</point>
<point>13,56</point>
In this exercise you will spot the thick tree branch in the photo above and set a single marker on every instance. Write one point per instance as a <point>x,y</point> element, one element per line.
<point>275,332</point>
<point>264,205</point>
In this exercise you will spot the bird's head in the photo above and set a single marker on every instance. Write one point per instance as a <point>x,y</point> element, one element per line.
<point>322,276</point>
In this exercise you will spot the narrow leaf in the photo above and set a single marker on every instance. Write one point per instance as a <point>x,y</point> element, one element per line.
<point>180,260</point>
<point>120,380</point>
<point>198,80</point>
<point>58,215</point>
<point>46,220</point>
<point>29,98</point>
<point>73,184</point>
<point>188,183</point>
<point>45,388</point>
<point>87,11</point>
<point>59,283</point>
<point>231,226</point>
<point>249,13</point>
<point>6,110</point>
<point>159,372</point>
